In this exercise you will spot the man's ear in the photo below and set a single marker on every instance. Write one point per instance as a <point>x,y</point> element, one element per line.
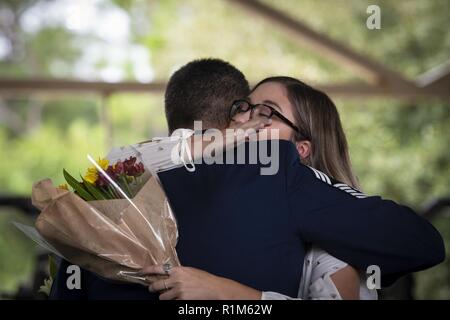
<point>304,148</point>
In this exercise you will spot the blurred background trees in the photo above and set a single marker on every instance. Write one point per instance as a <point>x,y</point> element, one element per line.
<point>399,149</point>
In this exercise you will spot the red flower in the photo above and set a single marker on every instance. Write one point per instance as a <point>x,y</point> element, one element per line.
<point>119,168</point>
<point>113,172</point>
<point>129,165</point>
<point>132,168</point>
<point>101,181</point>
<point>140,168</point>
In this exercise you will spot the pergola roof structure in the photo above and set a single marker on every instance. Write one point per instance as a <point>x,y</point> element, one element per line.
<point>380,80</point>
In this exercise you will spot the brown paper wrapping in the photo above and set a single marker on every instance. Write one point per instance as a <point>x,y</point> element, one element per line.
<point>112,238</point>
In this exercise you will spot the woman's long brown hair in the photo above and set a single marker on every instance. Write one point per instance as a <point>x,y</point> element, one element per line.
<point>318,120</point>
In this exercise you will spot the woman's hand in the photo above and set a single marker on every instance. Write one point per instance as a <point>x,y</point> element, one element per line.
<point>235,134</point>
<point>184,283</point>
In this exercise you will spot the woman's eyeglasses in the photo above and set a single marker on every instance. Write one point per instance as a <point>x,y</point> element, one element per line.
<point>261,109</point>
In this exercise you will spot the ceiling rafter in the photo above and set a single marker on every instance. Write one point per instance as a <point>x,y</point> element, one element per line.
<point>380,80</point>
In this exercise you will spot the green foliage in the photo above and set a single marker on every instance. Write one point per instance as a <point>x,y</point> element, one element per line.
<point>17,252</point>
<point>434,283</point>
<point>96,193</point>
<point>81,189</point>
<point>45,152</point>
<point>47,286</point>
<point>52,271</point>
<point>414,35</point>
<point>406,145</point>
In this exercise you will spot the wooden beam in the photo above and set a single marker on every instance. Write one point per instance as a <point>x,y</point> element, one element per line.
<point>437,78</point>
<point>17,202</point>
<point>45,84</point>
<point>362,90</point>
<point>56,88</point>
<point>370,70</point>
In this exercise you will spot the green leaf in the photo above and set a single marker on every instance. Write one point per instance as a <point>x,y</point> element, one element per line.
<point>105,194</point>
<point>125,187</point>
<point>108,193</point>
<point>52,266</point>
<point>46,287</point>
<point>77,187</point>
<point>116,194</point>
<point>98,195</point>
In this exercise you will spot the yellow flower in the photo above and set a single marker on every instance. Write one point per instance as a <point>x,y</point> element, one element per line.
<point>103,163</point>
<point>63,186</point>
<point>91,177</point>
<point>92,174</point>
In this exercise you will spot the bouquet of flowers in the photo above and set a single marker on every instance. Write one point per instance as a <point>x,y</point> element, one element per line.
<point>126,174</point>
<point>114,221</point>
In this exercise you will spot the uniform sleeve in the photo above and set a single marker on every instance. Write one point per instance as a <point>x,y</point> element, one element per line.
<point>158,154</point>
<point>359,229</point>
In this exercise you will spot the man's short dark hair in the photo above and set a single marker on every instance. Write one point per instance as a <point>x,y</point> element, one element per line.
<point>203,90</point>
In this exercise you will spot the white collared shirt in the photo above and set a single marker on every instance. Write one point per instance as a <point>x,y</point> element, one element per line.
<point>158,154</point>
<point>316,283</point>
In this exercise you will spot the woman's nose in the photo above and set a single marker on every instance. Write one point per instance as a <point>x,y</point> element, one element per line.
<point>242,116</point>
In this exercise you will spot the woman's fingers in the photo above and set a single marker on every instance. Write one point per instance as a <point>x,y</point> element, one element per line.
<point>257,123</point>
<point>157,286</point>
<point>161,285</point>
<point>254,123</point>
<point>246,130</point>
<point>158,269</point>
<point>169,295</point>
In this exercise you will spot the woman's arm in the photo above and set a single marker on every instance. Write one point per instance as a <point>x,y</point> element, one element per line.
<point>184,283</point>
<point>324,277</point>
<point>347,282</point>
<point>341,285</point>
<point>165,153</point>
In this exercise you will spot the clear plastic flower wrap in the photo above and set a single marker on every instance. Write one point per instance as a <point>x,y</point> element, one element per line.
<point>116,221</point>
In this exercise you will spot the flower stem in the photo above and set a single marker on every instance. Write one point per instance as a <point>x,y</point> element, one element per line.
<point>127,187</point>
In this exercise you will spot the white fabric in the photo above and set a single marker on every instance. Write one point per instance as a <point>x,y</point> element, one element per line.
<point>316,283</point>
<point>159,154</point>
